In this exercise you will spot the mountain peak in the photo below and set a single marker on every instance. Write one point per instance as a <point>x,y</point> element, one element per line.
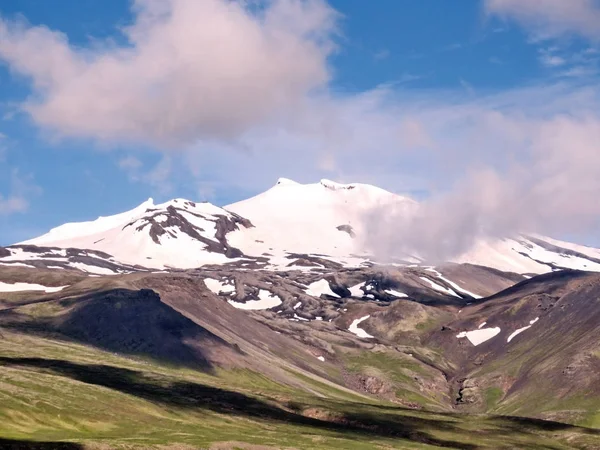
<point>286,182</point>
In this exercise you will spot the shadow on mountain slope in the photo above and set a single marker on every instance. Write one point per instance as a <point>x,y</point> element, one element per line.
<point>190,396</point>
<point>126,321</point>
<point>194,396</point>
<point>19,444</point>
<point>545,283</point>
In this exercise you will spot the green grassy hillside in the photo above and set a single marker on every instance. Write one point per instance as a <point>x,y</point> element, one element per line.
<point>53,390</point>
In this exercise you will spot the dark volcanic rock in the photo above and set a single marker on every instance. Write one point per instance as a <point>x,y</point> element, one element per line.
<point>312,260</point>
<point>4,252</point>
<point>176,220</point>
<point>348,229</point>
<point>373,385</point>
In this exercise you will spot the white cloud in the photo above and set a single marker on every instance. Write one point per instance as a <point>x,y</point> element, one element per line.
<point>382,54</point>
<point>3,146</point>
<point>468,87</point>
<point>582,63</point>
<point>551,18</point>
<point>16,200</point>
<point>12,204</point>
<point>160,175</point>
<point>551,60</point>
<point>192,69</point>
<point>580,71</point>
<point>157,177</point>
<point>130,163</point>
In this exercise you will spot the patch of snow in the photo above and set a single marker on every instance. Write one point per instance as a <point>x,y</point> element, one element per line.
<point>161,218</point>
<point>297,305</point>
<point>91,269</point>
<point>439,288</point>
<point>359,331</point>
<point>318,318</point>
<point>479,336</point>
<point>18,287</point>
<point>482,325</point>
<point>520,330</point>
<point>320,287</point>
<point>18,254</point>
<point>267,300</point>
<point>217,286</point>
<point>356,291</point>
<point>396,293</point>
<point>17,264</point>
<point>452,283</point>
<point>296,316</point>
<point>321,358</point>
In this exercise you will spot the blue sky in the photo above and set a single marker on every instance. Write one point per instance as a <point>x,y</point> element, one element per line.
<point>435,99</point>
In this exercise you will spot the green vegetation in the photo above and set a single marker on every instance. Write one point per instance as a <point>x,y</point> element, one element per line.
<point>403,373</point>
<point>59,391</point>
<point>492,396</point>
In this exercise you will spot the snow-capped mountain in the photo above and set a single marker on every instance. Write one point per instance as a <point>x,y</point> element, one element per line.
<point>288,222</point>
<point>177,234</point>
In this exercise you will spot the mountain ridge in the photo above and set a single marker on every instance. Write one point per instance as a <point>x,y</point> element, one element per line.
<point>323,219</point>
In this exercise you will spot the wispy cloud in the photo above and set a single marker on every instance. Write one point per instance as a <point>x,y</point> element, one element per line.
<point>565,62</point>
<point>452,47</point>
<point>3,146</point>
<point>549,60</point>
<point>468,87</point>
<point>158,177</point>
<point>580,72</point>
<point>21,187</point>
<point>129,163</point>
<point>551,18</point>
<point>381,54</point>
